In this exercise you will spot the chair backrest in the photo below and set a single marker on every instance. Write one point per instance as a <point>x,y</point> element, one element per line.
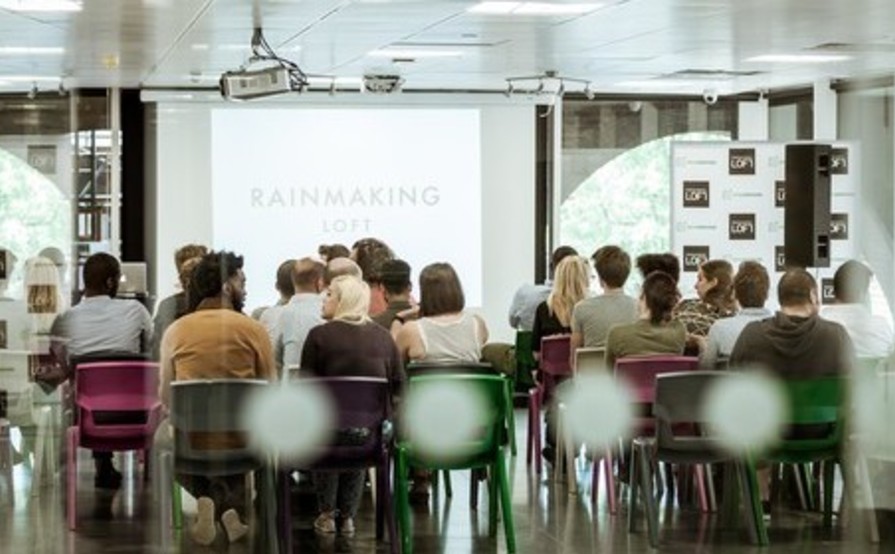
<point>124,385</point>
<point>358,401</point>
<point>524,351</point>
<point>680,398</point>
<point>639,373</point>
<point>815,401</point>
<point>489,392</point>
<point>204,408</point>
<point>442,368</point>
<point>590,360</point>
<point>556,355</point>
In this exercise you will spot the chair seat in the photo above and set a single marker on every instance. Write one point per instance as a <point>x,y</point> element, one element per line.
<point>699,450</point>
<point>234,466</point>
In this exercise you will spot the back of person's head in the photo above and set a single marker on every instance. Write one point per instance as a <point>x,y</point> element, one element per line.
<point>440,290</point>
<point>660,294</point>
<point>352,298</point>
<point>751,284</point>
<point>210,274</point>
<point>721,294</point>
<point>667,263</point>
<point>185,273</point>
<point>284,284</point>
<point>101,274</point>
<point>613,265</point>
<point>570,285</point>
<point>796,288</point>
<point>395,276</point>
<point>852,282</point>
<point>188,251</point>
<point>329,252</point>
<point>559,253</point>
<point>307,275</point>
<point>369,253</point>
<point>341,266</point>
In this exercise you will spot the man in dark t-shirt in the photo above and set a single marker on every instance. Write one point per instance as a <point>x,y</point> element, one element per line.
<point>395,278</point>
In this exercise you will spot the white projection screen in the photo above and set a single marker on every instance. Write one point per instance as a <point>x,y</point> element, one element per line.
<point>451,180</point>
<point>285,181</point>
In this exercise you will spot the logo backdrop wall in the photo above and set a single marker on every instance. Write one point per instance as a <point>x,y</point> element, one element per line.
<point>728,200</point>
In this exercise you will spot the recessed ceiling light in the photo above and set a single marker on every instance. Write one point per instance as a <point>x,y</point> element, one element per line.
<point>41,5</point>
<point>200,46</point>
<point>799,58</point>
<point>411,53</point>
<point>532,8</point>
<point>31,50</point>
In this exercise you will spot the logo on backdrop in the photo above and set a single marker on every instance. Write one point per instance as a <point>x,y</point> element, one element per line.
<point>741,161</point>
<point>827,296</point>
<point>839,226</point>
<point>780,194</point>
<point>694,256</point>
<point>839,161</point>
<point>779,258</point>
<point>742,227</point>
<point>696,194</point>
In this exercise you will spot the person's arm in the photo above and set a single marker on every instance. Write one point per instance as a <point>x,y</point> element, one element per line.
<point>708,351</point>
<point>515,312</point>
<point>537,330</point>
<point>166,366</point>
<point>481,330</point>
<point>145,329</point>
<point>310,354</point>
<point>267,367</point>
<point>409,342</point>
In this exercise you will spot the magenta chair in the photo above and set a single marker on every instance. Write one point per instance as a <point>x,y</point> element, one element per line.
<point>117,408</point>
<point>639,374</point>
<point>553,366</point>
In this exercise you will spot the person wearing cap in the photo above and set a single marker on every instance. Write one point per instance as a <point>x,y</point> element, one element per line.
<point>395,278</point>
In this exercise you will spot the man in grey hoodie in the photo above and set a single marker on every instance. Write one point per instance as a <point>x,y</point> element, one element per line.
<point>796,343</point>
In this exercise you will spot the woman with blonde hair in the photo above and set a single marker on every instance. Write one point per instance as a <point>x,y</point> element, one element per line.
<point>350,344</point>
<point>570,286</point>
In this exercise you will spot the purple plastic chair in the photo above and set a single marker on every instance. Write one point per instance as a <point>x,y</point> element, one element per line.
<point>554,365</point>
<point>639,374</point>
<point>360,402</point>
<point>117,408</point>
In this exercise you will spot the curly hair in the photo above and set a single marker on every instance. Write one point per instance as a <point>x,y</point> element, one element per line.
<point>209,276</point>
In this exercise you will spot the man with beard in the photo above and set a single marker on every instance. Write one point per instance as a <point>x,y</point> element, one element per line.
<point>216,341</point>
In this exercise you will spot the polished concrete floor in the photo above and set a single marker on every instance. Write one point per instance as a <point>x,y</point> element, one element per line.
<point>547,519</point>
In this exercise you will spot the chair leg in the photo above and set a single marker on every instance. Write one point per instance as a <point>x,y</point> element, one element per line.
<point>473,490</point>
<point>72,441</point>
<point>752,502</point>
<point>40,450</point>
<point>610,481</point>
<point>402,496</point>
<point>633,489</point>
<point>493,491</point>
<point>503,485</point>
<point>864,488</point>
<point>649,501</point>
<point>378,479</point>
<point>511,415</point>
<point>829,469</point>
<point>176,504</point>
<point>448,489</point>
<point>387,495</point>
<point>534,433</point>
<point>284,511</point>
<point>710,487</point>
<point>699,476</point>
<point>529,436</point>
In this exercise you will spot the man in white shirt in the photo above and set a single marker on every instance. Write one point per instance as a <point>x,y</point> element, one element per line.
<point>270,317</point>
<point>871,334</point>
<point>104,325</point>
<point>301,314</point>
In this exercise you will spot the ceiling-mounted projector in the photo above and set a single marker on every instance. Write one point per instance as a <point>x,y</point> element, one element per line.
<point>246,84</point>
<point>383,82</point>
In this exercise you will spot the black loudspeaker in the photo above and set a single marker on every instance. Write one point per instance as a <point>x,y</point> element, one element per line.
<point>807,205</point>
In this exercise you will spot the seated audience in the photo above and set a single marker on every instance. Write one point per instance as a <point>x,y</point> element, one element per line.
<point>216,341</point>
<point>714,301</point>
<point>870,334</point>
<point>329,252</point>
<point>270,317</point>
<point>593,317</point>
<point>369,254</point>
<point>169,309</point>
<point>554,315</point>
<point>667,263</point>
<point>750,287</point>
<point>444,332</point>
<point>655,332</point>
<point>794,344</point>
<point>349,345</point>
<point>283,286</point>
<point>395,278</point>
<point>529,297</point>
<point>301,314</point>
<point>102,325</point>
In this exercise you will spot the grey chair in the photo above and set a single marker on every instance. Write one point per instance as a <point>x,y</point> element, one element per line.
<point>214,406</point>
<point>680,439</point>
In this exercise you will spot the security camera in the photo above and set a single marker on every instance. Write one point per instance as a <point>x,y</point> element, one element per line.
<point>710,96</point>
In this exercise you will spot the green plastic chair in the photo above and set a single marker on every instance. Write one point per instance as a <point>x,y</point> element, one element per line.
<point>818,403</point>
<point>525,361</point>
<point>487,450</point>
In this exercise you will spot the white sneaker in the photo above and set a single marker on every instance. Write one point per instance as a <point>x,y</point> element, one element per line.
<point>234,528</point>
<point>203,530</point>
<point>325,524</point>
<point>348,526</point>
